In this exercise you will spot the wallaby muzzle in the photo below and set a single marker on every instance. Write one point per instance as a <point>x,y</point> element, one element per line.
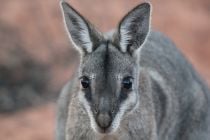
<point>104,120</point>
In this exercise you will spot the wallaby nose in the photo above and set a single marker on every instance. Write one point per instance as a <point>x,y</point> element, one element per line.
<point>104,120</point>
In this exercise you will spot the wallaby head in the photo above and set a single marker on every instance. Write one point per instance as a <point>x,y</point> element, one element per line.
<point>109,68</point>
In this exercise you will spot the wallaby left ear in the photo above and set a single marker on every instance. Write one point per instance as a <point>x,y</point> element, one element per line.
<point>134,28</point>
<point>81,32</point>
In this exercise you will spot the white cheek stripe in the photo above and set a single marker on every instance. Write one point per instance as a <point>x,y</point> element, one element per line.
<point>132,99</point>
<point>116,122</point>
<point>89,112</point>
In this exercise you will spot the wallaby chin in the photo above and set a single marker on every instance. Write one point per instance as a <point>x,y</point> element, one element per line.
<point>132,84</point>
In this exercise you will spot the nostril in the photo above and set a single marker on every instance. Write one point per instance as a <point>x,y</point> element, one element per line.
<point>104,120</point>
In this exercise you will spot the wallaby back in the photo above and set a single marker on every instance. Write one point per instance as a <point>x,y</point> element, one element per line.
<point>131,85</point>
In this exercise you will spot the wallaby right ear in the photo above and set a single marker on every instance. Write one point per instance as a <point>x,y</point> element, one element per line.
<point>82,34</point>
<point>134,28</point>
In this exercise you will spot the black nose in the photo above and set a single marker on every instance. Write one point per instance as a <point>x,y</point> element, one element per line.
<point>104,120</point>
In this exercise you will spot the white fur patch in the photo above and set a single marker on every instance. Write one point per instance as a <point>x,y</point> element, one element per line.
<point>158,78</point>
<point>86,39</point>
<point>125,38</point>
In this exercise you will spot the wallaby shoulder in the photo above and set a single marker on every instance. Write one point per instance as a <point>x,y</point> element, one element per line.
<point>180,95</point>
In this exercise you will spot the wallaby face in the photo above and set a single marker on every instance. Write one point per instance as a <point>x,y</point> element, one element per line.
<point>108,76</point>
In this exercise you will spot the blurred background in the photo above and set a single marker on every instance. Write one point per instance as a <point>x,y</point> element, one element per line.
<point>36,57</point>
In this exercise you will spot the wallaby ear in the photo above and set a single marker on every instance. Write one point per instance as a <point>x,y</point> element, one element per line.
<point>134,28</point>
<point>82,34</point>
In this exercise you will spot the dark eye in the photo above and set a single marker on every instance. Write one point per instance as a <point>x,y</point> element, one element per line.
<point>127,82</point>
<point>85,82</point>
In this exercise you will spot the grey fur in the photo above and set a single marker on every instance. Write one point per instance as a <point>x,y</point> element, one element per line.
<point>168,99</point>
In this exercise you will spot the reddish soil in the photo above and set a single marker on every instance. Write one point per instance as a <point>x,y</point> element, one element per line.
<point>34,124</point>
<point>41,29</point>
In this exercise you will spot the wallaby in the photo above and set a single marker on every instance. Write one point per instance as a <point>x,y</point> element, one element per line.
<point>131,84</point>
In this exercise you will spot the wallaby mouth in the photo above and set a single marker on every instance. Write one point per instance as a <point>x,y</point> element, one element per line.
<point>104,130</point>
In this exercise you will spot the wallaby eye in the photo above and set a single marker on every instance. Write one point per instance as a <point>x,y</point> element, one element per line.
<point>85,82</point>
<point>127,82</point>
